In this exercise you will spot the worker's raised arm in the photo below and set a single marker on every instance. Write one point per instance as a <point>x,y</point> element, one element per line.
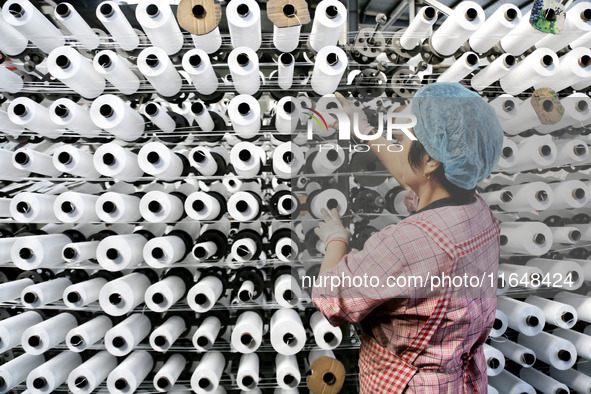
<point>389,158</point>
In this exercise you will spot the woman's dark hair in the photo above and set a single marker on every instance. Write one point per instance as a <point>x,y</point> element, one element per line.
<point>415,159</point>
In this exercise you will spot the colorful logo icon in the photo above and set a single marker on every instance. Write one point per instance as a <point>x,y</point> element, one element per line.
<point>313,116</point>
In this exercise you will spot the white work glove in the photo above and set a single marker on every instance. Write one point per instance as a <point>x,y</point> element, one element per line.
<point>350,108</point>
<point>332,228</point>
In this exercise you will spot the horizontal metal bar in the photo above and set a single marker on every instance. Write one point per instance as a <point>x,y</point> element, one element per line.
<point>440,6</point>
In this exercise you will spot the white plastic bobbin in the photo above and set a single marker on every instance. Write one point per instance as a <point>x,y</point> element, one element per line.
<point>11,328</point>
<point>244,67</point>
<point>166,377</point>
<point>539,65</point>
<point>569,194</point>
<point>76,72</point>
<point>288,159</point>
<point>91,373</point>
<point>71,160</point>
<point>501,22</point>
<point>119,252</point>
<point>326,162</point>
<point>40,294</point>
<point>206,333</point>
<point>329,19</point>
<point>8,127</point>
<point>287,371</point>
<point>117,71</point>
<point>15,371</point>
<point>156,159</point>
<point>160,25</point>
<point>114,207</point>
<point>209,42</point>
<point>207,375</point>
<point>561,315</point>
<point>287,39</point>
<point>164,294</point>
<point>26,159</point>
<point>202,116</point>
<point>246,158</point>
<point>81,294</point>
<point>78,252</point>
<point>247,333</point>
<point>125,336</point>
<point>420,27</point>
<point>248,372</point>
<point>244,24</point>
<point>112,114</point>
<point>287,115</point>
<point>28,207</point>
<point>24,112</point>
<point>113,160</point>
<point>164,336</point>
<point>287,338</point>
<point>120,296</point>
<point>325,335</point>
<point>31,23</point>
<point>500,67</point>
<point>29,253</point>
<point>130,373</point>
<point>9,81</point>
<point>157,115</point>
<point>244,206</point>
<point>197,64</point>
<point>12,290</point>
<point>161,252</point>
<point>80,338</point>
<point>573,68</point>
<point>232,183</point>
<point>286,249</point>
<point>111,16</point>
<point>73,207</point>
<point>285,69</point>
<point>243,250</point>
<point>41,337</point>
<point>244,112</point>
<point>157,67</point>
<point>72,116</point>
<point>205,293</point>
<point>466,64</point>
<point>157,207</point>
<point>329,68</point>
<point>287,291</point>
<point>467,17</point>
<point>328,199</point>
<point>202,206</point>
<point>50,375</point>
<point>75,23</point>
<point>204,160</point>
<point>12,42</point>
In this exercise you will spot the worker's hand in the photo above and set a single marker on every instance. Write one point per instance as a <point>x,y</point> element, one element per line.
<point>350,108</point>
<point>332,227</point>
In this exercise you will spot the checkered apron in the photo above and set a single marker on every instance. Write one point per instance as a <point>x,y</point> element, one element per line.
<point>382,371</point>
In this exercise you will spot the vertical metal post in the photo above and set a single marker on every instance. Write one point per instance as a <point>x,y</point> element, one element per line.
<point>394,15</point>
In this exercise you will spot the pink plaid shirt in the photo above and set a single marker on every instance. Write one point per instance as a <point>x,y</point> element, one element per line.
<point>394,316</point>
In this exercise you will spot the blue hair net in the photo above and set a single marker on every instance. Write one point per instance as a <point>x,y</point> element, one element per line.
<point>460,130</point>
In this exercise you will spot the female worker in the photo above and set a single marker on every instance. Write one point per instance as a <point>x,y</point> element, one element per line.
<point>421,334</point>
